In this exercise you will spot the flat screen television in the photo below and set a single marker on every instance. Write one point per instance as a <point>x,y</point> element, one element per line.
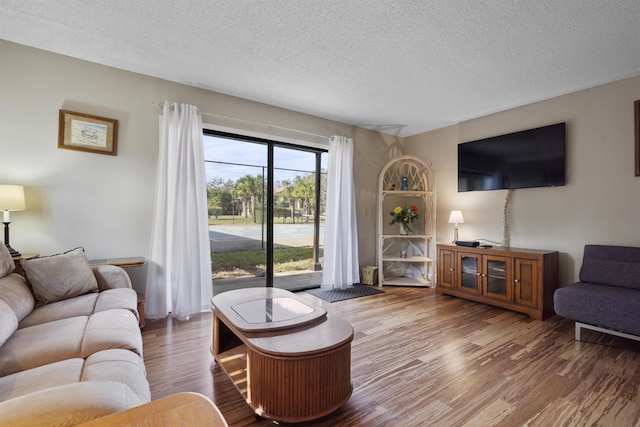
<point>529,158</point>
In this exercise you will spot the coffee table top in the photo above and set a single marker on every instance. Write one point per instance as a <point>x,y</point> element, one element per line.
<point>265,309</point>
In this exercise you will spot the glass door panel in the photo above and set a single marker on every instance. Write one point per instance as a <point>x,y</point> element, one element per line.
<point>497,277</point>
<point>469,273</point>
<point>496,282</point>
<point>235,198</point>
<point>298,218</point>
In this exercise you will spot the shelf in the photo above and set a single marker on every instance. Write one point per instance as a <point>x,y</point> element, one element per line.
<point>234,363</point>
<point>406,236</point>
<point>406,281</point>
<point>405,193</point>
<point>406,259</point>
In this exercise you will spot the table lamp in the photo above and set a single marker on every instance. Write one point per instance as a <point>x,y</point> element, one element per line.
<point>11,199</point>
<point>455,218</point>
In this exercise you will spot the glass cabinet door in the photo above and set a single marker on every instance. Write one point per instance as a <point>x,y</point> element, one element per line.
<point>469,279</point>
<point>497,277</point>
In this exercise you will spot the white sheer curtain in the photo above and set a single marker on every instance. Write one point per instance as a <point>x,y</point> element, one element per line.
<point>340,267</point>
<point>179,274</point>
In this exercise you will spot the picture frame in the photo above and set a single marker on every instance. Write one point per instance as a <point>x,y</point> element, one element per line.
<point>636,111</point>
<point>85,132</point>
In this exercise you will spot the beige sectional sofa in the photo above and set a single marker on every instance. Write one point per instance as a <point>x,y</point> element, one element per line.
<point>70,345</point>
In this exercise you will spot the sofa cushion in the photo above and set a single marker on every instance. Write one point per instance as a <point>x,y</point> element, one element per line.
<point>39,345</point>
<point>83,305</point>
<point>60,276</point>
<point>109,329</point>
<point>118,365</point>
<point>117,298</point>
<point>611,266</point>
<point>6,261</point>
<point>54,374</point>
<point>609,307</point>
<point>68,405</point>
<point>8,322</point>
<point>16,293</point>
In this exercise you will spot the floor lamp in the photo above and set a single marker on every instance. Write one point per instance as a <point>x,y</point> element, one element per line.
<point>11,199</point>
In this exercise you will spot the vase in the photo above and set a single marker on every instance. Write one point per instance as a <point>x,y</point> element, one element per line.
<point>404,229</point>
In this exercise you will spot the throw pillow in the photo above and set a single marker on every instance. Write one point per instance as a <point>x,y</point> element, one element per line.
<point>59,277</point>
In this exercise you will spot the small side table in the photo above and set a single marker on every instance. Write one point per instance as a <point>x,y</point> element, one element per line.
<point>134,261</point>
<point>16,260</point>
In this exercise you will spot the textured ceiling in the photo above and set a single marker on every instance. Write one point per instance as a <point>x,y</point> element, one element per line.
<point>402,67</point>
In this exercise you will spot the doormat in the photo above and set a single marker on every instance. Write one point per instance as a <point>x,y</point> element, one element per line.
<point>355,291</point>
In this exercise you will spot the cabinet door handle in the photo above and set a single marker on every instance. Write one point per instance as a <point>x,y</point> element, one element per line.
<point>517,281</point>
<point>477,274</point>
<point>483,275</point>
<point>452,269</point>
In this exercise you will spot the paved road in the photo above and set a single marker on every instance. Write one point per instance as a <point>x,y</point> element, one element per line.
<point>238,237</point>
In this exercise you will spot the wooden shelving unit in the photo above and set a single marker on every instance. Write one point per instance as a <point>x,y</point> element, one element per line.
<point>416,267</point>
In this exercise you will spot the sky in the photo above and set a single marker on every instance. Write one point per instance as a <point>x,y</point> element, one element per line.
<point>252,157</point>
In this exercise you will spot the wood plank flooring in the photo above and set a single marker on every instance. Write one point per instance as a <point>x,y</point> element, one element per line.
<point>419,359</point>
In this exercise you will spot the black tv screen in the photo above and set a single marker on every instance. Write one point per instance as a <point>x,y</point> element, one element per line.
<point>530,158</point>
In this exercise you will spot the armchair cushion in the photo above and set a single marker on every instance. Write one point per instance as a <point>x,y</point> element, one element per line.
<point>611,266</point>
<point>59,277</point>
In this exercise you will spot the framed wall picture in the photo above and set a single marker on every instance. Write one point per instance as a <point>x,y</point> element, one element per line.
<point>84,132</point>
<point>636,114</point>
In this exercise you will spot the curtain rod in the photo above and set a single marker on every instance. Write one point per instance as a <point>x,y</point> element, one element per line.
<point>161,105</point>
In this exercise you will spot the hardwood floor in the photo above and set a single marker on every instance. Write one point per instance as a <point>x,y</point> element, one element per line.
<point>424,360</point>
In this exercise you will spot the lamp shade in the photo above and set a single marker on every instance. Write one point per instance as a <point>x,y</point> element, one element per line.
<point>456,217</point>
<point>12,198</point>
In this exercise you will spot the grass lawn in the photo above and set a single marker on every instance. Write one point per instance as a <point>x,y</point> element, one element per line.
<point>244,263</point>
<point>240,220</point>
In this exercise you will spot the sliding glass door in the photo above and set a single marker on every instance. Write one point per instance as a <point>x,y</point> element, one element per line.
<point>266,212</point>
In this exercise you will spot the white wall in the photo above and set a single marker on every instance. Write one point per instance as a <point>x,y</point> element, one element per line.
<point>600,202</point>
<point>105,203</point>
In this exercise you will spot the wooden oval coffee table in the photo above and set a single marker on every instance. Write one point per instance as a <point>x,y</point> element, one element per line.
<point>289,359</point>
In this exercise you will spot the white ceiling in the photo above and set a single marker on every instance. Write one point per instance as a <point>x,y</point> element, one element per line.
<point>402,67</point>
